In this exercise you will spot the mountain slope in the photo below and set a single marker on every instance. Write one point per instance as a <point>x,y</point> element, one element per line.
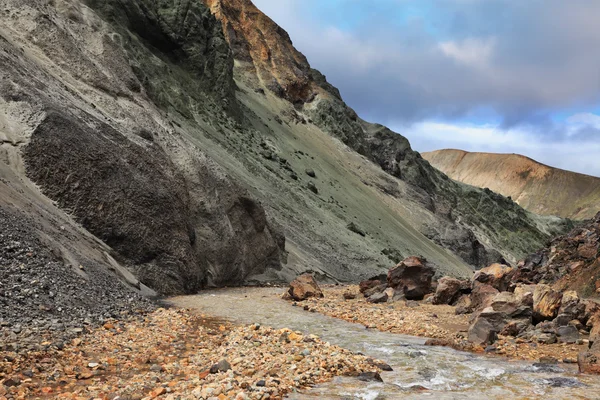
<point>159,135</point>
<point>536,187</point>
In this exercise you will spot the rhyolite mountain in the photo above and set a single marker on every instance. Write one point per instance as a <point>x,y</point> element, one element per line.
<point>534,186</point>
<point>183,144</point>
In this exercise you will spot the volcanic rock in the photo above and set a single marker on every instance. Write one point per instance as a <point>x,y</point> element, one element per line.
<point>482,295</point>
<point>412,277</point>
<point>304,287</point>
<point>368,284</point>
<point>496,275</point>
<point>546,303</point>
<point>448,291</point>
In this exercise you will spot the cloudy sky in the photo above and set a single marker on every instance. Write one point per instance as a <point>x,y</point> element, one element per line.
<point>511,76</point>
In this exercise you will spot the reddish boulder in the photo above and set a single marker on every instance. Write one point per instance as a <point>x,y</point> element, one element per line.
<point>304,287</point>
<point>448,291</point>
<point>498,276</point>
<point>482,296</point>
<point>412,277</point>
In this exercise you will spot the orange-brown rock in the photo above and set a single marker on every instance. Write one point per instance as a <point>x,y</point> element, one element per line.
<point>304,287</point>
<point>496,275</point>
<point>260,44</point>
<point>546,303</point>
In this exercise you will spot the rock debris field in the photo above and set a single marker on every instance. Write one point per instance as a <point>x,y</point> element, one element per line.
<point>174,354</point>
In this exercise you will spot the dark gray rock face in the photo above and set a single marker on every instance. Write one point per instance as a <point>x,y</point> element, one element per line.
<point>185,31</point>
<point>137,201</point>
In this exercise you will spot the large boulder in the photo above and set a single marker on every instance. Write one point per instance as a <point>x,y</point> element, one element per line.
<point>546,303</point>
<point>571,309</point>
<point>486,326</point>
<point>525,294</point>
<point>304,287</point>
<point>496,275</point>
<point>482,295</point>
<point>511,305</point>
<point>412,277</point>
<point>448,290</point>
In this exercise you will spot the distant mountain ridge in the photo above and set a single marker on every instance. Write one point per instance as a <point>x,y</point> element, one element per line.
<point>536,187</point>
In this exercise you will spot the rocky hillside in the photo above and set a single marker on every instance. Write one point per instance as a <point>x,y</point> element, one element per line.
<point>569,262</point>
<point>156,140</point>
<point>536,187</point>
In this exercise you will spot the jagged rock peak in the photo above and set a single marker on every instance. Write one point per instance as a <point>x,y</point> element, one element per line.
<point>258,42</point>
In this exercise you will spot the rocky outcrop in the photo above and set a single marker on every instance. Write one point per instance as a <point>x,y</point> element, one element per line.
<point>263,46</point>
<point>184,31</point>
<point>536,187</point>
<point>412,277</point>
<point>568,262</point>
<point>91,137</point>
<point>304,287</point>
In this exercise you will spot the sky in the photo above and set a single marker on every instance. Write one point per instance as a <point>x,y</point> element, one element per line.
<point>506,76</point>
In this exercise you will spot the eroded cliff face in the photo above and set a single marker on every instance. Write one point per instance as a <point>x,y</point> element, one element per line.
<point>80,95</point>
<point>263,47</point>
<point>536,187</point>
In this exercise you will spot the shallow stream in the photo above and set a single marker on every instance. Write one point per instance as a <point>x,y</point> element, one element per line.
<point>420,372</point>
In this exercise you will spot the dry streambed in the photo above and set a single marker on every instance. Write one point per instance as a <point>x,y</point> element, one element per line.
<point>174,354</point>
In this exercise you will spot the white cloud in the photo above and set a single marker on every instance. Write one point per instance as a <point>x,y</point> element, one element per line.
<point>472,52</point>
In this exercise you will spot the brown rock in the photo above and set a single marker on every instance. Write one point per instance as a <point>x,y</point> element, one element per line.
<point>349,295</point>
<point>571,305</point>
<point>496,275</point>
<point>378,298</point>
<point>484,330</point>
<point>412,277</point>
<point>588,250</point>
<point>510,305</point>
<point>589,360</point>
<point>304,287</point>
<point>482,295</point>
<point>546,303</point>
<point>463,305</point>
<point>366,285</point>
<point>374,290</point>
<point>448,291</point>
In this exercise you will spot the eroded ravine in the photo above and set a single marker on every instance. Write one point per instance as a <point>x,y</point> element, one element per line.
<point>419,371</point>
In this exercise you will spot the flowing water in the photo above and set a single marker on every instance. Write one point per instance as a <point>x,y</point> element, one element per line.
<point>420,372</point>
